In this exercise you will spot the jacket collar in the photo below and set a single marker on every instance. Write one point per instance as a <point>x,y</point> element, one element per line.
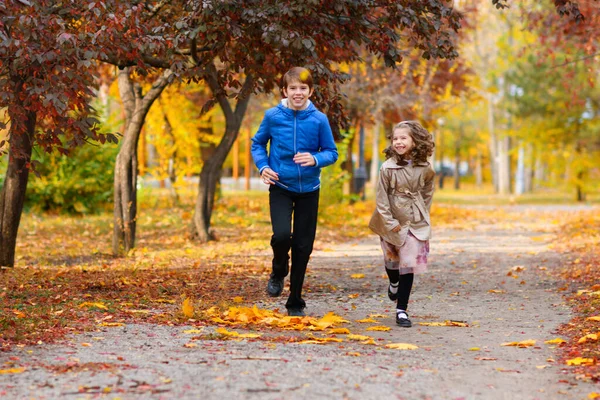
<point>390,163</point>
<point>310,108</point>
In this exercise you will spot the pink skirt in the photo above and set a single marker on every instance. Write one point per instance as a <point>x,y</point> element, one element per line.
<point>410,258</point>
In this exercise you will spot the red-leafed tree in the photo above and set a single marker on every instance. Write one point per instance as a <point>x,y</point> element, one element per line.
<point>46,84</point>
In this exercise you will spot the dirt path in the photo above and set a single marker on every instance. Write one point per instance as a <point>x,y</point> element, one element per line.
<point>468,281</point>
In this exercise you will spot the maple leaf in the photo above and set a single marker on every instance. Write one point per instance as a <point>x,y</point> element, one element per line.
<point>188,308</point>
<point>357,276</point>
<point>358,337</point>
<point>555,341</point>
<point>592,337</point>
<point>225,332</point>
<point>522,344</point>
<point>94,305</point>
<point>445,323</point>
<point>339,331</point>
<point>379,328</point>
<point>11,371</point>
<point>401,346</point>
<point>238,299</point>
<point>580,361</point>
<point>593,396</point>
<point>192,331</point>
<point>366,320</point>
<point>595,318</point>
<point>111,324</point>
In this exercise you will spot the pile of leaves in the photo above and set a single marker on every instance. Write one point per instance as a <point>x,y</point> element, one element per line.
<point>580,236</point>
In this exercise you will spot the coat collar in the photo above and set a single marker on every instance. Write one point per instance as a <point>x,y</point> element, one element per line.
<point>390,163</point>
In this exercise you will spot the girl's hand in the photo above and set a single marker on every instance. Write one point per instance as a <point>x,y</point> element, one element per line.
<point>304,159</point>
<point>397,229</point>
<point>269,176</point>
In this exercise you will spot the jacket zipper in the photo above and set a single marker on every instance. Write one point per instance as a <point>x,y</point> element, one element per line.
<point>296,149</point>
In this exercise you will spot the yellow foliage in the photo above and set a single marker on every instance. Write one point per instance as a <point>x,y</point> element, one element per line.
<point>591,337</point>
<point>188,308</point>
<point>524,343</point>
<point>401,346</point>
<point>366,320</point>
<point>555,341</point>
<point>94,305</point>
<point>359,337</point>
<point>11,371</point>
<point>357,276</point>
<point>379,328</point>
<point>580,361</point>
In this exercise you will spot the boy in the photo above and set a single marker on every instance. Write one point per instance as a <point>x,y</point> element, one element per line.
<point>301,144</point>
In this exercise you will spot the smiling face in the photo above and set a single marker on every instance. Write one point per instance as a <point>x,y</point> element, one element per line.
<point>402,142</point>
<point>297,94</point>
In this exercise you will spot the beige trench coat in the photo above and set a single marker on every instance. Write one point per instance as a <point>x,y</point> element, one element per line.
<point>404,195</point>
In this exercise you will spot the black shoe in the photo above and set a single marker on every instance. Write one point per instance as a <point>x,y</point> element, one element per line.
<point>296,312</point>
<point>275,287</point>
<point>402,319</point>
<point>393,296</point>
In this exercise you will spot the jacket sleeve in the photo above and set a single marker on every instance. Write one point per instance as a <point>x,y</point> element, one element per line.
<point>383,202</point>
<point>259,144</point>
<point>328,153</point>
<point>428,187</point>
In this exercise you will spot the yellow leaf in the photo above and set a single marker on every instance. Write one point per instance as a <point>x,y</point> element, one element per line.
<point>370,341</point>
<point>92,304</point>
<point>378,316</point>
<point>580,361</point>
<point>353,296</point>
<point>225,332</point>
<point>11,371</point>
<point>592,337</point>
<point>474,349</point>
<point>524,343</point>
<point>555,341</point>
<point>366,321</point>
<point>357,276</point>
<point>401,346</point>
<point>192,331</point>
<point>111,324</point>
<point>593,318</point>
<point>353,353</point>
<point>358,337</point>
<point>496,291</point>
<point>593,396</point>
<point>445,323</point>
<point>190,345</point>
<point>339,331</point>
<point>379,328</point>
<point>86,344</point>
<point>238,299</point>
<point>188,308</point>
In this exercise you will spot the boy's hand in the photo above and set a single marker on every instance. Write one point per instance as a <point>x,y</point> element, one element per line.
<point>304,159</point>
<point>269,176</point>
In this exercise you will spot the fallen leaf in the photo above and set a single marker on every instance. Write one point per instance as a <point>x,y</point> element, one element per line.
<point>591,337</point>
<point>353,353</point>
<point>496,291</point>
<point>190,345</point>
<point>486,358</point>
<point>339,331</point>
<point>93,305</point>
<point>357,276</point>
<point>11,371</point>
<point>366,320</point>
<point>188,308</point>
<point>524,343</point>
<point>401,346</point>
<point>379,328</point>
<point>555,341</point>
<point>192,331</point>
<point>474,349</point>
<point>445,323</point>
<point>596,318</point>
<point>593,396</point>
<point>580,361</point>
<point>238,299</point>
<point>358,337</point>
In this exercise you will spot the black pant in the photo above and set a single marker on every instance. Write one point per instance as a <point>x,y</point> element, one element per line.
<point>304,207</point>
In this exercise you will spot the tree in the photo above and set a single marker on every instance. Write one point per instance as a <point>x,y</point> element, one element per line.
<point>46,84</point>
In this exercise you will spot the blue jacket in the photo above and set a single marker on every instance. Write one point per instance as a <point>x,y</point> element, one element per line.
<point>290,132</point>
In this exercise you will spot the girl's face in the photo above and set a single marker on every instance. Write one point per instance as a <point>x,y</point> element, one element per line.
<point>402,142</point>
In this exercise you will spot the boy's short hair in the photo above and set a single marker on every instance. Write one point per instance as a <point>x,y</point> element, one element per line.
<point>297,74</point>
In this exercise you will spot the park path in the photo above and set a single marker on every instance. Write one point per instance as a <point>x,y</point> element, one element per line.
<point>495,277</point>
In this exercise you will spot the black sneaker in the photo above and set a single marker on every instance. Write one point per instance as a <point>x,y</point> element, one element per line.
<point>296,312</point>
<point>275,287</point>
<point>402,319</point>
<point>393,296</point>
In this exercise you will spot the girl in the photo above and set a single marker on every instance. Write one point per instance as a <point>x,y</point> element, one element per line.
<point>401,217</point>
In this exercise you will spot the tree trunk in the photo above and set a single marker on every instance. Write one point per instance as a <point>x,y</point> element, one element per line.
<point>478,169</point>
<point>375,158</point>
<point>493,144</point>
<point>12,196</point>
<point>520,173</point>
<point>136,106</point>
<point>504,166</point>
<point>457,166</point>
<point>211,170</point>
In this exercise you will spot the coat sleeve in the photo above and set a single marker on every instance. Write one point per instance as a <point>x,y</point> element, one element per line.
<point>328,153</point>
<point>259,144</point>
<point>428,187</point>
<point>383,202</point>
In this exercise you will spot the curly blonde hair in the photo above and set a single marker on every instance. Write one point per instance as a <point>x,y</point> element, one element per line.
<point>421,137</point>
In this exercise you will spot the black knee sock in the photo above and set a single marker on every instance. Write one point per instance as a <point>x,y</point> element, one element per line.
<point>393,274</point>
<point>406,282</point>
